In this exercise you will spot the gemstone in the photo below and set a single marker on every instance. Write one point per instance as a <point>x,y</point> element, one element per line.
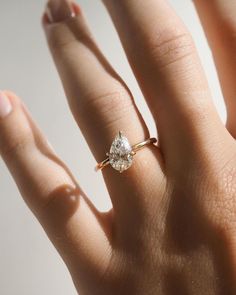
<point>120,156</point>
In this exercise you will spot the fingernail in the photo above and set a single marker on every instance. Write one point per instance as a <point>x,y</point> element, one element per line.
<point>59,10</point>
<point>5,105</point>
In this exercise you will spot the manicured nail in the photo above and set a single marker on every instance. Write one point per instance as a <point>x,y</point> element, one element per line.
<point>59,10</point>
<point>5,105</point>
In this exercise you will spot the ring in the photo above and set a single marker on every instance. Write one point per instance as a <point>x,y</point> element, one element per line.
<point>121,153</point>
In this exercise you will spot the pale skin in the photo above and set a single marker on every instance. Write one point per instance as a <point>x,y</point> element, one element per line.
<point>172,226</point>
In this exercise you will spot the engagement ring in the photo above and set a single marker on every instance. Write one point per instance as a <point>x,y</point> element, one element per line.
<point>121,153</point>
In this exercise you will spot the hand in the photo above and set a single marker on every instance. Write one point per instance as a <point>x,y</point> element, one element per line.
<point>172,227</point>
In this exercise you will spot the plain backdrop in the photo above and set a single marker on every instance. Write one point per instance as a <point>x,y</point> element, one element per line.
<point>29,265</point>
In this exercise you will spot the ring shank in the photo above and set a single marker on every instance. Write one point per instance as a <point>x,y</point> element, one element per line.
<point>135,148</point>
<point>142,144</point>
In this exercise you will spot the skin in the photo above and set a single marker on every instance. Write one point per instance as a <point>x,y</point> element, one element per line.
<point>172,226</point>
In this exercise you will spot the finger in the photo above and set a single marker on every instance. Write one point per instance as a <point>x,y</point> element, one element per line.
<point>102,105</point>
<point>218,20</point>
<point>50,190</point>
<point>165,62</point>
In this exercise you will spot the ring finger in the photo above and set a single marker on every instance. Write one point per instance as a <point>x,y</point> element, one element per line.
<point>100,101</point>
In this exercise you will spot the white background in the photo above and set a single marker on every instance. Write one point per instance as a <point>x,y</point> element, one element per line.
<point>29,265</point>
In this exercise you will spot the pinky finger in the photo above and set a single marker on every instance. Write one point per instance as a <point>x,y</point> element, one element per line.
<point>51,192</point>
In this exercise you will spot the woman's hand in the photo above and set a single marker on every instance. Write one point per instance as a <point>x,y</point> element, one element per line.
<point>173,222</point>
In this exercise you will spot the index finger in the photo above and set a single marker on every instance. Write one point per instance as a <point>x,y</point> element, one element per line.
<point>50,190</point>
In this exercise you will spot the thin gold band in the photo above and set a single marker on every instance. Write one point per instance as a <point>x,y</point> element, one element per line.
<point>135,148</point>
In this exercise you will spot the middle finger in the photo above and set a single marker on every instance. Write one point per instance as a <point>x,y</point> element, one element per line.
<point>166,64</point>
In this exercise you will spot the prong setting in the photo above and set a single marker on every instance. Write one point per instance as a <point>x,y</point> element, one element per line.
<point>121,154</point>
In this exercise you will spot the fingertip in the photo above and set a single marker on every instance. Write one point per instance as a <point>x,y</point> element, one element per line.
<point>10,93</point>
<point>13,97</point>
<point>45,20</point>
<point>60,11</point>
<point>5,105</point>
<point>76,8</point>
<point>47,17</point>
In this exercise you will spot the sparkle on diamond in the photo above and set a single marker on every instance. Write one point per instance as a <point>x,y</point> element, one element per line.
<point>120,156</point>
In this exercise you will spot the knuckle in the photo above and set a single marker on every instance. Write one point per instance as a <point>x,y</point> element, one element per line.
<point>115,99</point>
<point>58,45</point>
<point>171,45</point>
<point>61,38</point>
<point>110,106</point>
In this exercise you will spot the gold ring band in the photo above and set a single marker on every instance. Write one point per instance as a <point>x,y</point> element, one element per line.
<point>121,153</point>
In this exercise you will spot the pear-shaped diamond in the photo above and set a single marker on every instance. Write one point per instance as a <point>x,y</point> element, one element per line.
<point>120,156</point>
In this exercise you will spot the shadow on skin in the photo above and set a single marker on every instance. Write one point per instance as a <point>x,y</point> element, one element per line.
<point>65,199</point>
<point>63,203</point>
<point>196,248</point>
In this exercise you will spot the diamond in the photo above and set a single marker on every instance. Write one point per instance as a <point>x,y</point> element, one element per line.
<point>120,156</point>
